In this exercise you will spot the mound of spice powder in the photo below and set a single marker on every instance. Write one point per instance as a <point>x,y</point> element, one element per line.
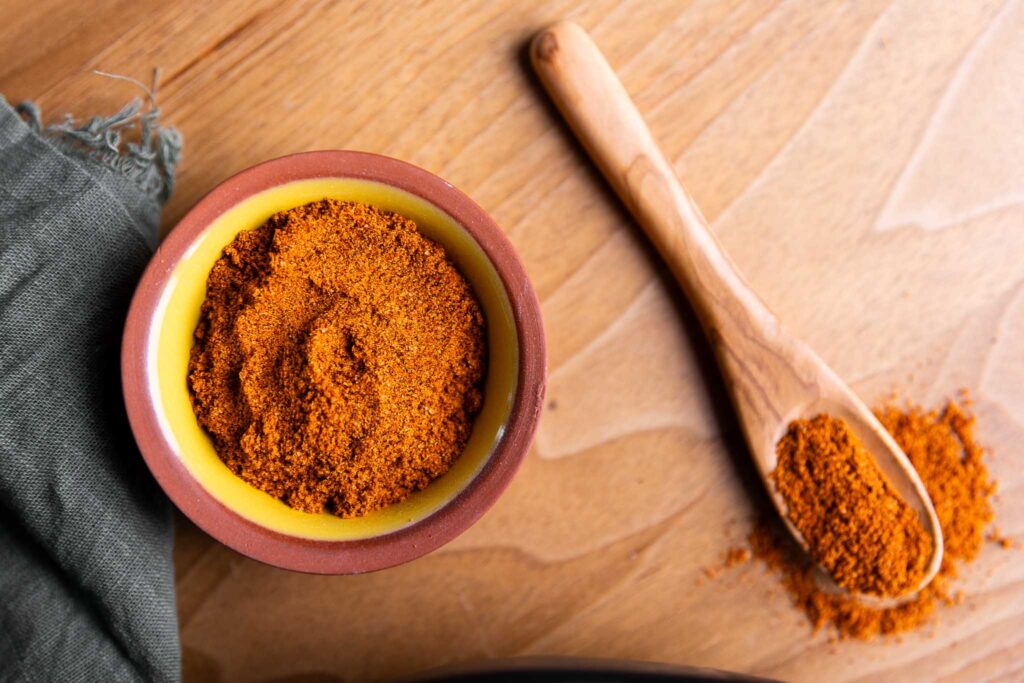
<point>942,448</point>
<point>854,522</point>
<point>338,358</point>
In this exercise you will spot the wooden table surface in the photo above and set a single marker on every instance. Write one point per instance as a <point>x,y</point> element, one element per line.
<point>863,162</point>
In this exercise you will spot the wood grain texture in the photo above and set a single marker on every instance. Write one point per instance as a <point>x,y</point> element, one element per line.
<point>772,377</point>
<point>861,162</point>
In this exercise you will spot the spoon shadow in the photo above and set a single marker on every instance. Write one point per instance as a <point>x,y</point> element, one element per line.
<point>712,380</point>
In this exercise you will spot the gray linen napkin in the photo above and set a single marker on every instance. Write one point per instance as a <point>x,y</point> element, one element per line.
<point>86,572</point>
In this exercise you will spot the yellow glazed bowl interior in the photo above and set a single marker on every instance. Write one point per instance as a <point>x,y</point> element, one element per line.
<point>178,314</point>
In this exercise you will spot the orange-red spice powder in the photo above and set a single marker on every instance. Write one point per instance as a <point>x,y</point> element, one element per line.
<point>338,359</point>
<point>942,447</point>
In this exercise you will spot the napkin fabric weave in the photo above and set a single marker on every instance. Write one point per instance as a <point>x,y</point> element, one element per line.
<point>86,571</point>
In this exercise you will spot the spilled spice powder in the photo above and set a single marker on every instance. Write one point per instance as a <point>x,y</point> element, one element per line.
<point>338,358</point>
<point>732,557</point>
<point>942,448</point>
<point>854,522</point>
<point>997,537</point>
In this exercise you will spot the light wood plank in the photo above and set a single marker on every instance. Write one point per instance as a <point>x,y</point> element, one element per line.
<point>861,163</point>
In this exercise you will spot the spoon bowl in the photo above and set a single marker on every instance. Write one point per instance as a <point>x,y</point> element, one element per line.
<point>773,378</point>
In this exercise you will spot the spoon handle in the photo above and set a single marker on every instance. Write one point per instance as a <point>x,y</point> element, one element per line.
<point>604,118</point>
<point>771,376</point>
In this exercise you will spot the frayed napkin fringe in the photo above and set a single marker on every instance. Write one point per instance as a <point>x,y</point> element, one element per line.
<point>149,163</point>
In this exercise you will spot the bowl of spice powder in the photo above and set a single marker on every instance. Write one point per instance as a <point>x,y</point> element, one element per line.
<point>334,363</point>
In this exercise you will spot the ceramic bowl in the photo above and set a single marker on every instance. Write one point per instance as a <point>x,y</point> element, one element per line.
<point>164,313</point>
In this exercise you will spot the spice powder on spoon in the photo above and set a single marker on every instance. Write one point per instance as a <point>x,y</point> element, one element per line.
<point>854,522</point>
<point>338,359</point>
<point>942,448</point>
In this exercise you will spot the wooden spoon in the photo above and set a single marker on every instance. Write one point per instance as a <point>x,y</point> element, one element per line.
<point>773,378</point>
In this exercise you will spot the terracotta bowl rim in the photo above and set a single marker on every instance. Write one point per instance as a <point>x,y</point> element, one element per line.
<point>320,556</point>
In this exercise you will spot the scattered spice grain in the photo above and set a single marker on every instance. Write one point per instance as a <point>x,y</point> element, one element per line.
<point>338,358</point>
<point>997,537</point>
<point>733,556</point>
<point>942,447</point>
<point>854,522</point>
